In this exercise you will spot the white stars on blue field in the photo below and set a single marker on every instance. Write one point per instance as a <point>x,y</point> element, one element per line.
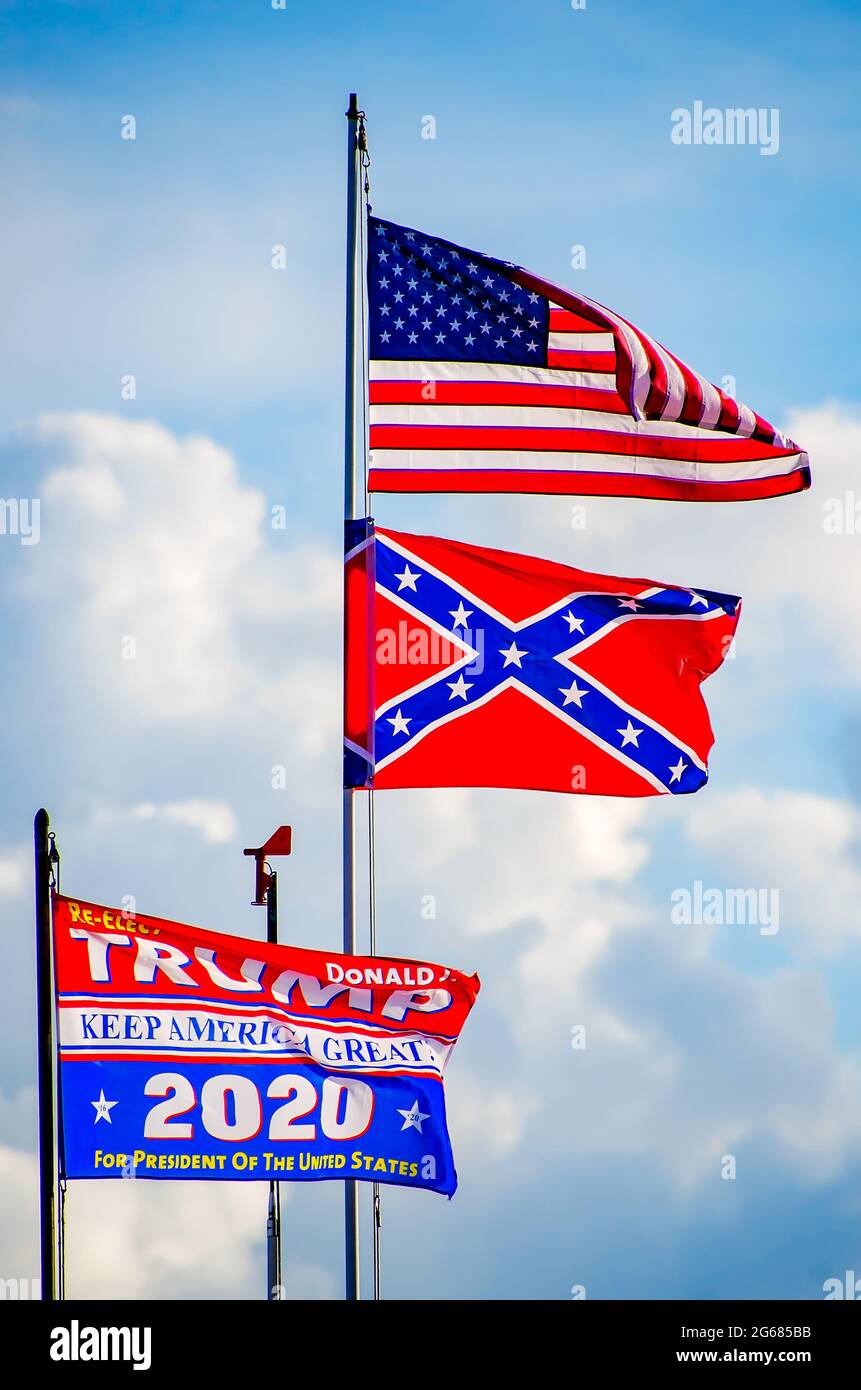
<point>430,301</point>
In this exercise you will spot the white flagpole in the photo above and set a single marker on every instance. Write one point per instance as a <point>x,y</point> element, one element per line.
<point>351,1189</point>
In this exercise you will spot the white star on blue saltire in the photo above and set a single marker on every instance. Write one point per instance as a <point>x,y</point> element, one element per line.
<point>399,724</point>
<point>698,598</point>
<point>512,655</point>
<point>677,771</point>
<point>407,580</point>
<point>629,735</point>
<point>460,614</point>
<point>630,603</point>
<point>574,624</point>
<point>413,1118</point>
<point>103,1108</point>
<point>573,695</point>
<point>459,687</point>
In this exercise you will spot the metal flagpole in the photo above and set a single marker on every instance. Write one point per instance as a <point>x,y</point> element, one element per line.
<point>266,894</point>
<point>351,1188</point>
<point>362,453</point>
<point>280,843</point>
<point>377,1211</point>
<point>45,1028</point>
<point>54,868</point>
<point>273,1224</point>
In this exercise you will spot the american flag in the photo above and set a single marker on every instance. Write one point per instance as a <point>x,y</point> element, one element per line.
<point>485,378</point>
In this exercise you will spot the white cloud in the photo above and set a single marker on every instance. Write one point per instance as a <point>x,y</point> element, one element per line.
<point>803,844</point>
<point>154,538</point>
<point>214,821</point>
<point>151,1240</point>
<point>134,1239</point>
<point>513,856</point>
<point>16,871</point>
<point>18,1216</point>
<point>686,1058</point>
<point>486,1120</point>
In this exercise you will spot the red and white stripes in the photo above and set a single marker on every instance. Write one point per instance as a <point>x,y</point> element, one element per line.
<point>609,412</point>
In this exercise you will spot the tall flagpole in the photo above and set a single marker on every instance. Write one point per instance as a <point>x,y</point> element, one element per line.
<point>45,1027</point>
<point>351,1189</point>
<point>273,1222</point>
<point>279,844</point>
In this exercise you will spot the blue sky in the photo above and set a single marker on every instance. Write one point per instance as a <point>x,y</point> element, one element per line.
<point>152,257</point>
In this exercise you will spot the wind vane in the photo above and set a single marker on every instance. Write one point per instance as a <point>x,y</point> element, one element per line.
<point>280,843</point>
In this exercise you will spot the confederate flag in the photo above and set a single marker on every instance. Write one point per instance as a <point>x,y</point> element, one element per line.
<point>468,667</point>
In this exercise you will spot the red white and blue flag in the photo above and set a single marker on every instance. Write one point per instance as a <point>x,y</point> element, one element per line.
<point>186,1053</point>
<point>468,667</point>
<point>485,378</point>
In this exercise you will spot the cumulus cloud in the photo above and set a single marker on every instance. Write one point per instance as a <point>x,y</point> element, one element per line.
<point>176,1240</point>
<point>19,1217</point>
<point>514,857</point>
<point>486,1120</point>
<point>167,587</point>
<point>214,821</point>
<point>686,1057</point>
<point>146,1240</point>
<point>161,1240</point>
<point>15,872</point>
<point>757,835</point>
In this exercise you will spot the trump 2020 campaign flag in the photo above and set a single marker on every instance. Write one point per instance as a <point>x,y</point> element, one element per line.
<point>185,1053</point>
<point>468,667</point>
<point>485,378</point>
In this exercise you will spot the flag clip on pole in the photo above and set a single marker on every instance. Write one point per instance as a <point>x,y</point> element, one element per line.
<point>266,895</point>
<point>351,1188</point>
<point>45,1029</point>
